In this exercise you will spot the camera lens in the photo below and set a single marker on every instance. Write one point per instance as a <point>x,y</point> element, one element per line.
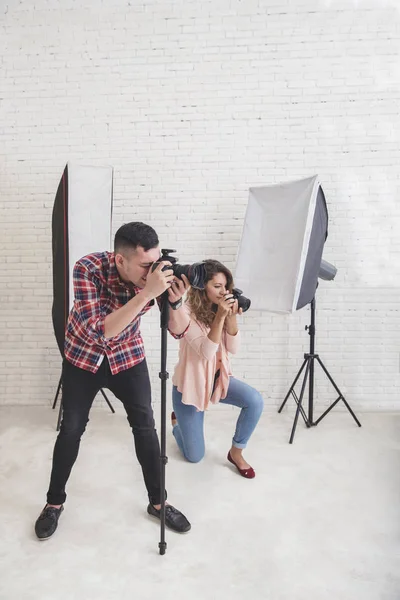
<point>195,273</point>
<point>244,303</point>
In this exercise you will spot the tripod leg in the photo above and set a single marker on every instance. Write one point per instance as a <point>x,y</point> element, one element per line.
<point>163,455</point>
<point>341,397</point>
<point>303,387</point>
<point>57,392</point>
<point>293,385</point>
<point>107,400</point>
<point>162,544</point>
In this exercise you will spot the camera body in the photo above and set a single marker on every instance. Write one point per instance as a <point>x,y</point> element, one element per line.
<point>196,273</point>
<point>243,302</point>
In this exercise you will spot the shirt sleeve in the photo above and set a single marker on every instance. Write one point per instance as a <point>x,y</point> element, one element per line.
<point>198,339</point>
<point>232,342</point>
<point>87,306</point>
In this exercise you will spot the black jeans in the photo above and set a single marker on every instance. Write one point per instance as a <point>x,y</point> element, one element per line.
<point>80,387</point>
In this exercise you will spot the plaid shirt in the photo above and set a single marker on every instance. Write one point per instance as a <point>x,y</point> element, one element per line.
<point>99,291</point>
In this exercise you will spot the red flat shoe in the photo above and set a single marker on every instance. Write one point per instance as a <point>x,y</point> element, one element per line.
<point>248,473</point>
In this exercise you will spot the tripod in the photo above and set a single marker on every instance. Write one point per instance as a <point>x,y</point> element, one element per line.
<point>59,389</point>
<point>308,365</point>
<point>164,375</point>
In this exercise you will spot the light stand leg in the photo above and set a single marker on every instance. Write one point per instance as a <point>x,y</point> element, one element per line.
<point>291,391</point>
<point>299,404</point>
<point>57,392</point>
<point>292,386</point>
<point>59,415</point>
<point>309,360</point>
<point>107,400</point>
<point>341,397</point>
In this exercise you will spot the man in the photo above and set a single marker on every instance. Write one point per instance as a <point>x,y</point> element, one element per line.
<point>104,348</point>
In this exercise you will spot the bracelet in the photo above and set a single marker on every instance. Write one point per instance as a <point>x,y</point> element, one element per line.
<point>175,305</point>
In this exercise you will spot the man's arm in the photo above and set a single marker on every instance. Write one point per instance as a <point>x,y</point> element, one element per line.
<point>178,322</point>
<point>157,282</point>
<point>117,321</point>
<point>87,304</point>
<point>179,319</point>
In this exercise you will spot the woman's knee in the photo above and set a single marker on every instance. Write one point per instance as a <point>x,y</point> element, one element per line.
<point>256,401</point>
<point>194,455</point>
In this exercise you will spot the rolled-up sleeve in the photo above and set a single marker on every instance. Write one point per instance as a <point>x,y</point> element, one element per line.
<point>87,305</point>
<point>200,342</point>
<point>179,336</point>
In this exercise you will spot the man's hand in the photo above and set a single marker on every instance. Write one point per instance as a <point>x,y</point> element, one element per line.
<point>178,289</point>
<point>158,280</point>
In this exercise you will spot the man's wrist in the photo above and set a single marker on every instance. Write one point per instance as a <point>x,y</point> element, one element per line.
<point>145,296</point>
<point>176,305</point>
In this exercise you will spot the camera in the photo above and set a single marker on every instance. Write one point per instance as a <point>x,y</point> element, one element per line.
<point>243,302</point>
<point>196,273</point>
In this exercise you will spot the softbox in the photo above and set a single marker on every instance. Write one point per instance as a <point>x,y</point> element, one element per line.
<point>81,224</point>
<point>281,247</point>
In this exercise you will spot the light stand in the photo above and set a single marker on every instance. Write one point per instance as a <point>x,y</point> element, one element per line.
<point>308,365</point>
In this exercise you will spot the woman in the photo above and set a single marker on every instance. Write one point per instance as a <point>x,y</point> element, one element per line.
<point>203,373</point>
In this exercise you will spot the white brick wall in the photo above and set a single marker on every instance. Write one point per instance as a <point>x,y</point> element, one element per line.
<point>193,103</point>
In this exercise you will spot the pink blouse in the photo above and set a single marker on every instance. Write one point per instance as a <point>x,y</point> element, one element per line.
<point>199,359</point>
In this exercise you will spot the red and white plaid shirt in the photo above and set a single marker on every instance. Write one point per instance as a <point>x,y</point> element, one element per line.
<point>99,291</point>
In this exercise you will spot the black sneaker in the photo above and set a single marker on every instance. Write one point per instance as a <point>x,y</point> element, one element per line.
<point>174,519</point>
<point>47,522</point>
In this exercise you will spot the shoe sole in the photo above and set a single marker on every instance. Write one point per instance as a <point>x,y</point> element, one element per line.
<point>43,539</point>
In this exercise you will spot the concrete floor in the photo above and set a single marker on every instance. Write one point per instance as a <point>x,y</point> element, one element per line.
<point>320,521</point>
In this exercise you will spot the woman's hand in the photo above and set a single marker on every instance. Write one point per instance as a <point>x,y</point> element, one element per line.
<point>235,310</point>
<point>225,305</point>
<point>230,321</point>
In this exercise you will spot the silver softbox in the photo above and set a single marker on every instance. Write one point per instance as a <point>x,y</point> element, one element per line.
<point>81,224</point>
<point>280,252</point>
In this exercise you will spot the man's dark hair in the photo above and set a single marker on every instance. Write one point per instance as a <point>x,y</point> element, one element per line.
<point>132,235</point>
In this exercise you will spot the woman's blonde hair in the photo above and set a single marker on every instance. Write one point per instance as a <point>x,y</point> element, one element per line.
<point>200,307</point>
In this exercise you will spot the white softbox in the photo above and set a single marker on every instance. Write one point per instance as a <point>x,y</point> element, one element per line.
<point>280,251</point>
<point>81,224</point>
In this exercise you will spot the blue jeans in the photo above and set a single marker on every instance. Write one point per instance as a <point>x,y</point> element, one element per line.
<point>189,430</point>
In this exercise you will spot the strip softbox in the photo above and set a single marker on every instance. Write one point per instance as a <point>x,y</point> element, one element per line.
<point>81,224</point>
<point>281,247</point>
